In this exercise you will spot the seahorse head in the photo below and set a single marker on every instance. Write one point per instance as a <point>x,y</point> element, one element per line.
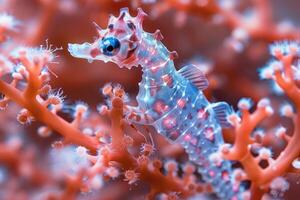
<point>117,43</point>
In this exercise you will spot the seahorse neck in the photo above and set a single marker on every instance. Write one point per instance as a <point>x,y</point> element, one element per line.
<point>155,60</point>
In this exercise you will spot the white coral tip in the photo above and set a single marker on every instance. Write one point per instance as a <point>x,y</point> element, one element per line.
<point>263,103</point>
<point>81,151</point>
<point>233,119</point>
<point>280,184</point>
<point>296,163</point>
<point>280,131</point>
<point>287,110</point>
<point>265,153</point>
<point>245,104</point>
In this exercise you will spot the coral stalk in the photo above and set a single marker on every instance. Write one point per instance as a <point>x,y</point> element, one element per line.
<point>55,122</point>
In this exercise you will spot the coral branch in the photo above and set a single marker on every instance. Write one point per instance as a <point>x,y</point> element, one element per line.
<point>283,72</point>
<point>42,114</point>
<point>158,182</point>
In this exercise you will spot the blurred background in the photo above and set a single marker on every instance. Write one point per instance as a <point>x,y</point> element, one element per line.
<point>229,39</point>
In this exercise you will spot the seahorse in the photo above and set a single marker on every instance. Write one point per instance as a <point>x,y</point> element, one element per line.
<point>171,101</point>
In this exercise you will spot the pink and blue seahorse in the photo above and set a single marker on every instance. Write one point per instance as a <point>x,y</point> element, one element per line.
<point>172,101</point>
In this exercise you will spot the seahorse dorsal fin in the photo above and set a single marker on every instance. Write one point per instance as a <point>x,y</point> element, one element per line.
<point>222,110</point>
<point>195,75</point>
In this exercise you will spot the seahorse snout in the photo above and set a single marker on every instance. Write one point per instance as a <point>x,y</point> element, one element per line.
<point>80,50</point>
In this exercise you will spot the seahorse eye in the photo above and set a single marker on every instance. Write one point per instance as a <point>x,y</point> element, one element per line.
<point>110,46</point>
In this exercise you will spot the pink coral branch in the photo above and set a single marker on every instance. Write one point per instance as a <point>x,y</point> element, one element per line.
<point>158,182</point>
<point>284,76</point>
<point>55,122</point>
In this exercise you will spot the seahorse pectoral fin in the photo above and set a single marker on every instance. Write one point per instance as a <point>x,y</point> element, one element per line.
<point>81,50</point>
<point>195,76</point>
<point>222,110</point>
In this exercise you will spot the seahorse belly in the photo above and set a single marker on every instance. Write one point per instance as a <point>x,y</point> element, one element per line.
<point>183,108</point>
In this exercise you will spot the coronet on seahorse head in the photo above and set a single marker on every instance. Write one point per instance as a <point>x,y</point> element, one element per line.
<point>118,43</point>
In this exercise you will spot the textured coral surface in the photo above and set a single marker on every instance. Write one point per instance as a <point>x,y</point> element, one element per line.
<point>65,128</point>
